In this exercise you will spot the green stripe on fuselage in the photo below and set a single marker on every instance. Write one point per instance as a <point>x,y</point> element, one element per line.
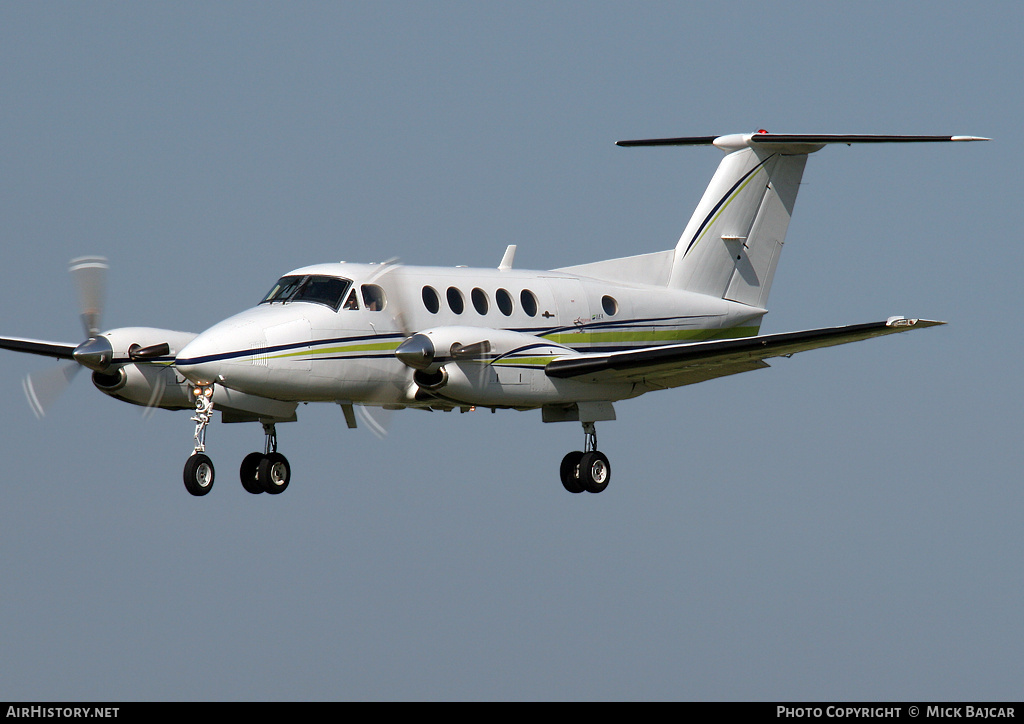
<point>352,348</point>
<point>569,339</point>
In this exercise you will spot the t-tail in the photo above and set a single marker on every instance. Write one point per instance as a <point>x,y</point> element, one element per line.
<point>731,245</point>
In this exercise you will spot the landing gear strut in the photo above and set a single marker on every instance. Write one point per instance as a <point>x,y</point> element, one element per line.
<point>198,473</point>
<point>266,472</point>
<point>586,469</point>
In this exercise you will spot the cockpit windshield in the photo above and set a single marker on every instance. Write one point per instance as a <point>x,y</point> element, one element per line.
<point>309,288</point>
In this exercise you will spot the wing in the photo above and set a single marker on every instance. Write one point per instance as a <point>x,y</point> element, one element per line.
<point>59,350</point>
<point>684,364</point>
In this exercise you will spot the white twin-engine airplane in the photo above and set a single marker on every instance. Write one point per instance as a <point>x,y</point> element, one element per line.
<point>570,341</point>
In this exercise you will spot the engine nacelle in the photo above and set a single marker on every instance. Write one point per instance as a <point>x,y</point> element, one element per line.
<point>126,341</point>
<point>104,352</point>
<point>146,385</point>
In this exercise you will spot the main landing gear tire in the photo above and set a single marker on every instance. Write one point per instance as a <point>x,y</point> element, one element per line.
<point>570,472</point>
<point>595,472</point>
<point>273,473</point>
<point>249,471</point>
<point>198,474</point>
<point>588,470</point>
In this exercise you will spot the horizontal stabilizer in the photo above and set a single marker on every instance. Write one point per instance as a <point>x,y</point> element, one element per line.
<point>684,141</point>
<point>853,138</point>
<point>683,360</point>
<point>738,140</point>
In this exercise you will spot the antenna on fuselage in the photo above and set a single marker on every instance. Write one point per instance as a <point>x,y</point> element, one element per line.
<point>506,261</point>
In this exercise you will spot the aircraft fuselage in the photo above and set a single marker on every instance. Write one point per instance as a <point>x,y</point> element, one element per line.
<point>310,351</point>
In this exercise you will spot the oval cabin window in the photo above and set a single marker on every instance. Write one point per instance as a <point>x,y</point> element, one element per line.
<point>431,300</point>
<point>480,302</point>
<point>504,300</point>
<point>455,301</point>
<point>529,301</point>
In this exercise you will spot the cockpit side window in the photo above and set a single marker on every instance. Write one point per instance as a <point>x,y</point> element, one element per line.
<point>311,288</point>
<point>373,297</point>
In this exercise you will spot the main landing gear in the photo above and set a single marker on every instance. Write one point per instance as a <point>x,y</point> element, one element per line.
<point>267,471</point>
<point>586,469</point>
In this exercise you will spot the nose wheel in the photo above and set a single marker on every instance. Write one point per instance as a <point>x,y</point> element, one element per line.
<point>198,474</point>
<point>587,469</point>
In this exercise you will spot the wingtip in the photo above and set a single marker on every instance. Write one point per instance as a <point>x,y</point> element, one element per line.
<point>899,321</point>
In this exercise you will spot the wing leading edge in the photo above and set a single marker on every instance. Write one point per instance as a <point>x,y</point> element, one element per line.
<point>683,364</point>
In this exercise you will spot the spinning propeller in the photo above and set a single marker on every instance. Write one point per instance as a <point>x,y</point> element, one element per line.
<point>42,388</point>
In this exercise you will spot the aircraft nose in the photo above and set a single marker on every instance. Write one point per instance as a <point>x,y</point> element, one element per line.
<point>223,354</point>
<point>233,353</point>
<point>200,360</point>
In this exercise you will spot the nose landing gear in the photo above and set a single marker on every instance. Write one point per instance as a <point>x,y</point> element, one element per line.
<point>586,469</point>
<point>198,473</point>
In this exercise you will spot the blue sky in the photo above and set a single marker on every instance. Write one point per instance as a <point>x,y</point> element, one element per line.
<point>844,525</point>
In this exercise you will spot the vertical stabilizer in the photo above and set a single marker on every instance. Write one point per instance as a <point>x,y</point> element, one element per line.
<point>734,238</point>
<point>732,243</point>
